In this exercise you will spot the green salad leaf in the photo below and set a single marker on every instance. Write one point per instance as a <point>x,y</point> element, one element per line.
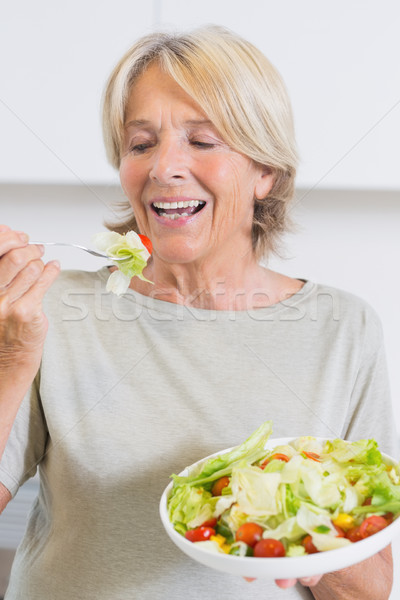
<point>365,452</point>
<point>128,246</point>
<point>252,450</point>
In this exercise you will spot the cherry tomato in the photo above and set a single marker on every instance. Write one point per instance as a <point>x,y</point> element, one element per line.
<point>209,523</point>
<point>312,455</point>
<point>219,485</point>
<point>277,456</point>
<point>308,545</point>
<point>199,534</point>
<point>354,534</point>
<point>340,531</point>
<point>389,517</point>
<point>146,243</point>
<point>269,548</point>
<point>372,525</point>
<point>249,533</point>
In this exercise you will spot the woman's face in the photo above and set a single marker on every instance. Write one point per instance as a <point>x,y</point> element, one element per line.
<point>192,195</point>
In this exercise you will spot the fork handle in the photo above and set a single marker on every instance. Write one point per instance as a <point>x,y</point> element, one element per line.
<point>50,243</point>
<point>88,250</point>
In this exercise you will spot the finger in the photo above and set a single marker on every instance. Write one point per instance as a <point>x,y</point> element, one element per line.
<point>285,583</point>
<point>14,261</point>
<point>12,239</point>
<point>22,282</point>
<point>310,581</point>
<point>30,304</point>
<point>45,281</point>
<point>7,228</point>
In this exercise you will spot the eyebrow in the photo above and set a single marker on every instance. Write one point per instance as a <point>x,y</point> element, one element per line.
<point>137,123</point>
<point>199,122</point>
<point>144,122</point>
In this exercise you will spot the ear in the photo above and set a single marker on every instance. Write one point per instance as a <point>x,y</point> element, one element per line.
<point>264,183</point>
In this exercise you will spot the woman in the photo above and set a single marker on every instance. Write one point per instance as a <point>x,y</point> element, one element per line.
<point>131,390</point>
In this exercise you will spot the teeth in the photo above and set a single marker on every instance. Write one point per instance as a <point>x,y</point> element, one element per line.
<point>171,217</point>
<point>174,215</point>
<point>180,204</point>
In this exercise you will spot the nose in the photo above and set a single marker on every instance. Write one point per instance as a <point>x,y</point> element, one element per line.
<point>169,163</point>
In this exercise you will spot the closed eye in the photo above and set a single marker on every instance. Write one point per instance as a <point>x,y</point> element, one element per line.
<point>202,144</point>
<point>140,148</point>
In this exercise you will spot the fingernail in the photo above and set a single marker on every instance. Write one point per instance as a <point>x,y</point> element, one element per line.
<point>55,263</point>
<point>23,237</point>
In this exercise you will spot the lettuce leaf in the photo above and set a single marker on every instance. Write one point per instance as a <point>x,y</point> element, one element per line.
<point>255,491</point>
<point>295,550</point>
<point>288,529</point>
<point>128,246</point>
<point>361,451</point>
<point>309,520</point>
<point>250,451</point>
<point>190,507</point>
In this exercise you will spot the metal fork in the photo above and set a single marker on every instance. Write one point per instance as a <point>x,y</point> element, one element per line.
<point>93,252</point>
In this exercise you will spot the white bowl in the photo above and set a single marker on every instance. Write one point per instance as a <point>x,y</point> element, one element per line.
<point>283,567</point>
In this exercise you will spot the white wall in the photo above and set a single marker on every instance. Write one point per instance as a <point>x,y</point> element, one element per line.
<point>338,58</point>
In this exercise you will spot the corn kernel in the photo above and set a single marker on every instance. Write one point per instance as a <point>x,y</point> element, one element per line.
<point>344,521</point>
<point>218,538</point>
<point>221,541</point>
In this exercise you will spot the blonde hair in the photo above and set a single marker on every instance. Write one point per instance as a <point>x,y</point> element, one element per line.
<point>240,92</point>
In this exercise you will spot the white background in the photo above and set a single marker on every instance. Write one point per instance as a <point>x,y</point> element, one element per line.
<point>339,60</point>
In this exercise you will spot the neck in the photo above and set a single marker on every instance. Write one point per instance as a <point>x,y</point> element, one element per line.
<point>216,286</point>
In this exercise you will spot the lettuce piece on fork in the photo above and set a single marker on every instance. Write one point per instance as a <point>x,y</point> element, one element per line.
<point>128,246</point>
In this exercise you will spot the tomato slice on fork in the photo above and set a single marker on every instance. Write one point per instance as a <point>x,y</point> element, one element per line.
<point>146,242</point>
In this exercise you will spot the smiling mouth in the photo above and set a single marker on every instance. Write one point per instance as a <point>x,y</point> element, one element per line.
<point>175,210</point>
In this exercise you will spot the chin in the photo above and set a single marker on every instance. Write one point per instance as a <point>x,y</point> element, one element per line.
<point>177,254</point>
<point>177,259</point>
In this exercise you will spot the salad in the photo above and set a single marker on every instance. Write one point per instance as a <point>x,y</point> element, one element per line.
<point>295,499</point>
<point>134,247</point>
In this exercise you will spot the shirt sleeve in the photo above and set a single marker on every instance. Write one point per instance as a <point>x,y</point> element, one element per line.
<point>26,445</point>
<point>371,412</point>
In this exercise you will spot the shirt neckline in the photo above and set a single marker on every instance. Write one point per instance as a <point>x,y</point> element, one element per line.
<point>172,308</point>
